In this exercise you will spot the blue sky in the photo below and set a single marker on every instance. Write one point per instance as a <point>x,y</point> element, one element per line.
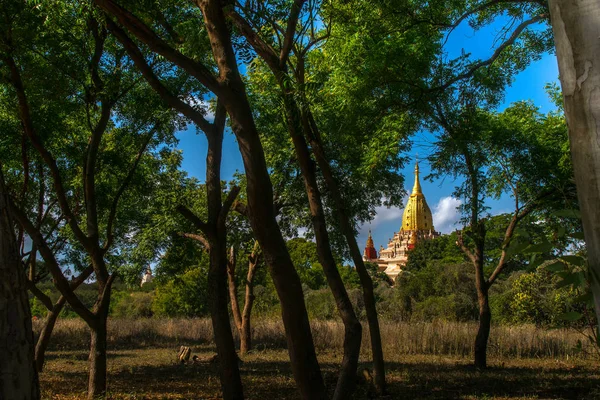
<point>528,85</point>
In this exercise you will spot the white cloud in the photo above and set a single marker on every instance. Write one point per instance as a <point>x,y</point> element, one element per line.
<point>382,214</point>
<point>446,215</point>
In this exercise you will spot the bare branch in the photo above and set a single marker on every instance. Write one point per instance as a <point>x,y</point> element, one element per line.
<point>460,243</point>
<point>139,61</point>
<point>62,284</point>
<point>518,215</point>
<point>197,237</point>
<point>264,50</point>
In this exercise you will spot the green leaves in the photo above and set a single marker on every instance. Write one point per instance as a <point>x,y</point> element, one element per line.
<point>570,316</point>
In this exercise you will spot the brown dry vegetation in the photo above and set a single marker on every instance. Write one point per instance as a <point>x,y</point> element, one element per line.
<point>424,361</point>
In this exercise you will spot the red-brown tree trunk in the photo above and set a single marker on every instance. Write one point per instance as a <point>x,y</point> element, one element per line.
<point>97,360</point>
<point>348,232</point>
<point>18,376</point>
<point>242,319</point>
<point>352,327</point>
<point>231,382</point>
<point>261,213</point>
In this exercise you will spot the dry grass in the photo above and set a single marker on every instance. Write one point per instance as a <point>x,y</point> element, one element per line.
<point>423,360</point>
<point>152,373</point>
<point>435,338</point>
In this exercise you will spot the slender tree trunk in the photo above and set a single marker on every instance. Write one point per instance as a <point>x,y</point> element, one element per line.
<point>98,340</point>
<point>46,333</point>
<point>261,213</point>
<point>348,232</point>
<point>231,382</point>
<point>246,328</point>
<point>18,376</point>
<point>97,359</point>
<point>242,319</point>
<point>483,330</point>
<point>352,327</point>
<point>576,26</point>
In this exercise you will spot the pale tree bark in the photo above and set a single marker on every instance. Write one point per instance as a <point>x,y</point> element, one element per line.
<point>18,376</point>
<point>576,26</point>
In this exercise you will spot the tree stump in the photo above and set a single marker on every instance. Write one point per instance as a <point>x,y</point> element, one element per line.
<point>184,354</point>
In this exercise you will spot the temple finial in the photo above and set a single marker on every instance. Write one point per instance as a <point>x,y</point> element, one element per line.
<point>417,186</point>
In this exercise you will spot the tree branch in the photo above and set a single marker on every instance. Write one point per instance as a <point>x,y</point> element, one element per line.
<point>264,50</point>
<point>509,42</point>
<point>227,204</point>
<point>290,31</point>
<point>29,131</point>
<point>140,30</point>
<point>199,238</point>
<point>124,185</point>
<point>194,219</point>
<point>62,284</point>
<point>173,101</point>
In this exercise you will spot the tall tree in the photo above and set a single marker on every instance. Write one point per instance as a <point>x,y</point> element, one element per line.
<point>576,27</point>
<point>91,96</point>
<point>277,61</point>
<point>229,87</point>
<point>519,153</point>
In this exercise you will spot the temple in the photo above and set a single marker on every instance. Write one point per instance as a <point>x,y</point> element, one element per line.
<point>417,225</point>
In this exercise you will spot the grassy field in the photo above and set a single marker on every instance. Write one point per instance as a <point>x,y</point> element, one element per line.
<point>142,363</point>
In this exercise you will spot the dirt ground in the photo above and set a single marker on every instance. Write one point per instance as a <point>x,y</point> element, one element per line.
<point>153,373</point>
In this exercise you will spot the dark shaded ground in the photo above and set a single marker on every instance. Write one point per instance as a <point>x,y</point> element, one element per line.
<point>154,374</point>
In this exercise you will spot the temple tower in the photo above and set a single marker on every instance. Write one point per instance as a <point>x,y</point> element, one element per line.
<point>417,225</point>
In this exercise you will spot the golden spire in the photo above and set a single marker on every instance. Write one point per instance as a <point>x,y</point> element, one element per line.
<point>417,215</point>
<point>417,186</point>
<point>370,240</point>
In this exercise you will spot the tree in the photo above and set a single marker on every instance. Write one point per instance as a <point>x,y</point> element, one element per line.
<point>98,103</point>
<point>276,59</point>
<point>19,378</point>
<point>228,86</point>
<point>576,30</point>
<point>518,152</point>
<point>213,237</point>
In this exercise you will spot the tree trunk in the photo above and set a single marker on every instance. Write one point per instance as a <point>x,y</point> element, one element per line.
<point>18,376</point>
<point>261,213</point>
<point>98,342</point>
<point>44,339</point>
<point>576,26</point>
<point>242,319</point>
<point>352,327</point>
<point>97,359</point>
<point>231,382</point>
<point>483,331</point>
<point>348,232</point>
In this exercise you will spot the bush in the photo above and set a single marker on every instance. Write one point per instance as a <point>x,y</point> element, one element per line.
<point>132,305</point>
<point>184,296</point>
